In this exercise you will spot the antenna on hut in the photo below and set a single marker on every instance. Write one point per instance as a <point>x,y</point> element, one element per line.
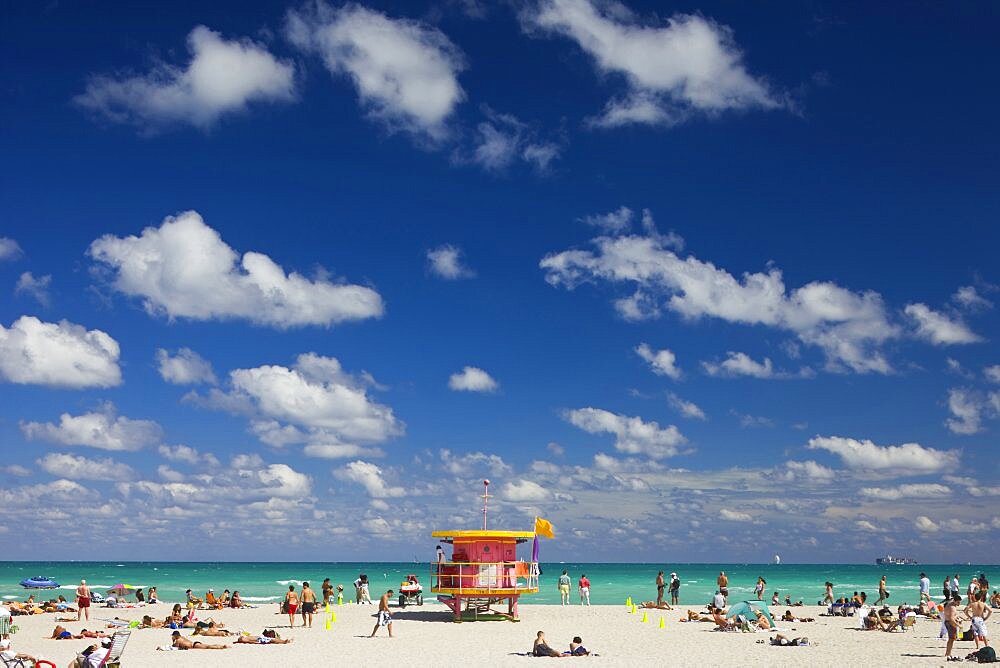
<point>486,500</point>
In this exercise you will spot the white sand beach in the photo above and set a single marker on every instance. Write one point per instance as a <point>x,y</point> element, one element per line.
<point>425,636</point>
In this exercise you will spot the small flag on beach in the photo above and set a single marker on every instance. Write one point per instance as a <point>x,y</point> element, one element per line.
<point>544,528</point>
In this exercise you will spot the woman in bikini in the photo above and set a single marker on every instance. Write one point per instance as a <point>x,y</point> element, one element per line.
<point>292,602</point>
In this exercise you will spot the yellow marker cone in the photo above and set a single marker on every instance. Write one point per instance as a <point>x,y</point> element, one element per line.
<point>662,624</point>
<point>328,625</point>
<point>628,601</point>
<point>333,616</point>
<point>631,610</point>
<point>645,617</point>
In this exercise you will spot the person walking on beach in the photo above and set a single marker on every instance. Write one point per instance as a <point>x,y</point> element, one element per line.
<point>83,601</point>
<point>564,584</point>
<point>946,589</point>
<point>723,583</point>
<point>925,588</point>
<point>384,616</point>
<point>979,612</point>
<point>950,618</point>
<point>759,589</point>
<point>291,605</point>
<point>883,594</point>
<point>308,604</point>
<point>661,585</point>
<point>675,589</point>
<point>829,593</point>
<point>361,590</point>
<point>584,585</point>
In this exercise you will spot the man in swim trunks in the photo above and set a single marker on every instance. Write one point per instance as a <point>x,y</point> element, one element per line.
<point>564,584</point>
<point>308,604</point>
<point>661,584</point>
<point>723,583</point>
<point>292,604</point>
<point>979,612</point>
<point>83,601</point>
<point>675,589</point>
<point>950,617</point>
<point>384,616</point>
<point>180,642</point>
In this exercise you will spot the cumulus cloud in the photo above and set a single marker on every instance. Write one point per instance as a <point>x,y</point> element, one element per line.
<point>472,463</point>
<point>614,222</point>
<point>938,328</point>
<point>689,65</point>
<point>185,367</point>
<point>503,139</point>
<point>632,434</point>
<point>184,269</point>
<point>82,468</point>
<point>969,408</point>
<point>472,379</point>
<point>9,249</point>
<point>848,326</point>
<point>58,355</point>
<point>809,470</point>
<point>992,373</point>
<point>740,364</point>
<point>753,421</point>
<point>865,525</point>
<point>686,408</point>
<point>15,470</point>
<point>914,491</point>
<point>734,516</point>
<point>103,429</point>
<point>661,362</point>
<point>370,477</point>
<point>445,261</point>
<point>188,455</point>
<point>969,298</point>
<point>522,491</point>
<point>909,458</point>
<point>405,71</point>
<point>925,524</point>
<point>222,77</point>
<point>37,288</point>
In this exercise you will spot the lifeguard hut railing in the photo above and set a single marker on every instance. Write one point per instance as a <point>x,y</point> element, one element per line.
<point>475,578</point>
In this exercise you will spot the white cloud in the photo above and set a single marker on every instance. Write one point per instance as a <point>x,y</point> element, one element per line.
<point>186,367</point>
<point>59,355</point>
<point>405,71</point>
<point>734,516</point>
<point>909,458</point>
<point>614,222</point>
<point>632,434</point>
<point>689,65</point>
<point>9,249</point>
<point>925,524</point>
<point>104,429</point>
<point>521,491</point>
<point>865,525</point>
<point>938,328</point>
<point>473,463</point>
<point>280,480</point>
<point>369,476</point>
<point>914,491</point>
<point>38,288</point>
<point>556,449</point>
<point>662,362</point>
<point>810,470</point>
<point>970,408</point>
<point>472,379</point>
<point>753,421</point>
<point>445,261</point>
<point>184,269</point>
<point>849,327</point>
<point>189,455</point>
<point>223,76</point>
<point>81,468</point>
<point>15,470</point>
<point>992,373</point>
<point>968,297</point>
<point>686,408</point>
<point>740,364</point>
<point>503,139</point>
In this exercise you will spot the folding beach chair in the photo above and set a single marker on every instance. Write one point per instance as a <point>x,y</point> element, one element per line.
<point>114,657</point>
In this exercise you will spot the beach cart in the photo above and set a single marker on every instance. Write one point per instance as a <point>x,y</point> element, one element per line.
<point>410,591</point>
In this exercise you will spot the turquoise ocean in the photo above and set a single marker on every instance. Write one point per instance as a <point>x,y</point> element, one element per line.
<point>264,583</point>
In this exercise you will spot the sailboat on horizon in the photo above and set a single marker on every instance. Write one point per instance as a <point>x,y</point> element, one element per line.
<point>777,560</point>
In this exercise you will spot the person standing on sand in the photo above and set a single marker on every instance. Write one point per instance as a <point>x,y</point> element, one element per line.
<point>883,594</point>
<point>950,618</point>
<point>308,604</point>
<point>758,590</point>
<point>564,584</point>
<point>661,584</point>
<point>955,585</point>
<point>384,616</point>
<point>973,590</point>
<point>327,591</point>
<point>925,588</point>
<point>723,582</point>
<point>83,601</point>
<point>584,585</point>
<point>292,604</point>
<point>829,593</point>
<point>979,612</point>
<point>675,589</point>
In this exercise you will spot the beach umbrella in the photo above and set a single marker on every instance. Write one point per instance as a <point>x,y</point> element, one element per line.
<point>749,609</point>
<point>121,589</point>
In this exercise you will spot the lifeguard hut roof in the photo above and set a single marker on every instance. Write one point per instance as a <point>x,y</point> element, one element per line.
<point>479,534</point>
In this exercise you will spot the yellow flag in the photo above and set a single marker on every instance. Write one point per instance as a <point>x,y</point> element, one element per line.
<point>544,528</point>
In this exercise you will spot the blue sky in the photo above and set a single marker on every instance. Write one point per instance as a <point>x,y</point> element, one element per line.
<point>669,276</point>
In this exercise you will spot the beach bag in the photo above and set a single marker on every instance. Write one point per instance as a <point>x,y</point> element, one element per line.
<point>967,636</point>
<point>986,655</point>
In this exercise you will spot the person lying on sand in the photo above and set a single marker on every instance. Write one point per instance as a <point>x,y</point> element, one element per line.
<point>210,631</point>
<point>693,616</point>
<point>60,633</point>
<point>180,642</point>
<point>655,606</point>
<point>541,648</point>
<point>789,617</point>
<point>267,637</point>
<point>150,623</point>
<point>784,641</point>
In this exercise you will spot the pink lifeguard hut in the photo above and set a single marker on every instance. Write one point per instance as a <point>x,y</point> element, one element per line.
<point>484,570</point>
